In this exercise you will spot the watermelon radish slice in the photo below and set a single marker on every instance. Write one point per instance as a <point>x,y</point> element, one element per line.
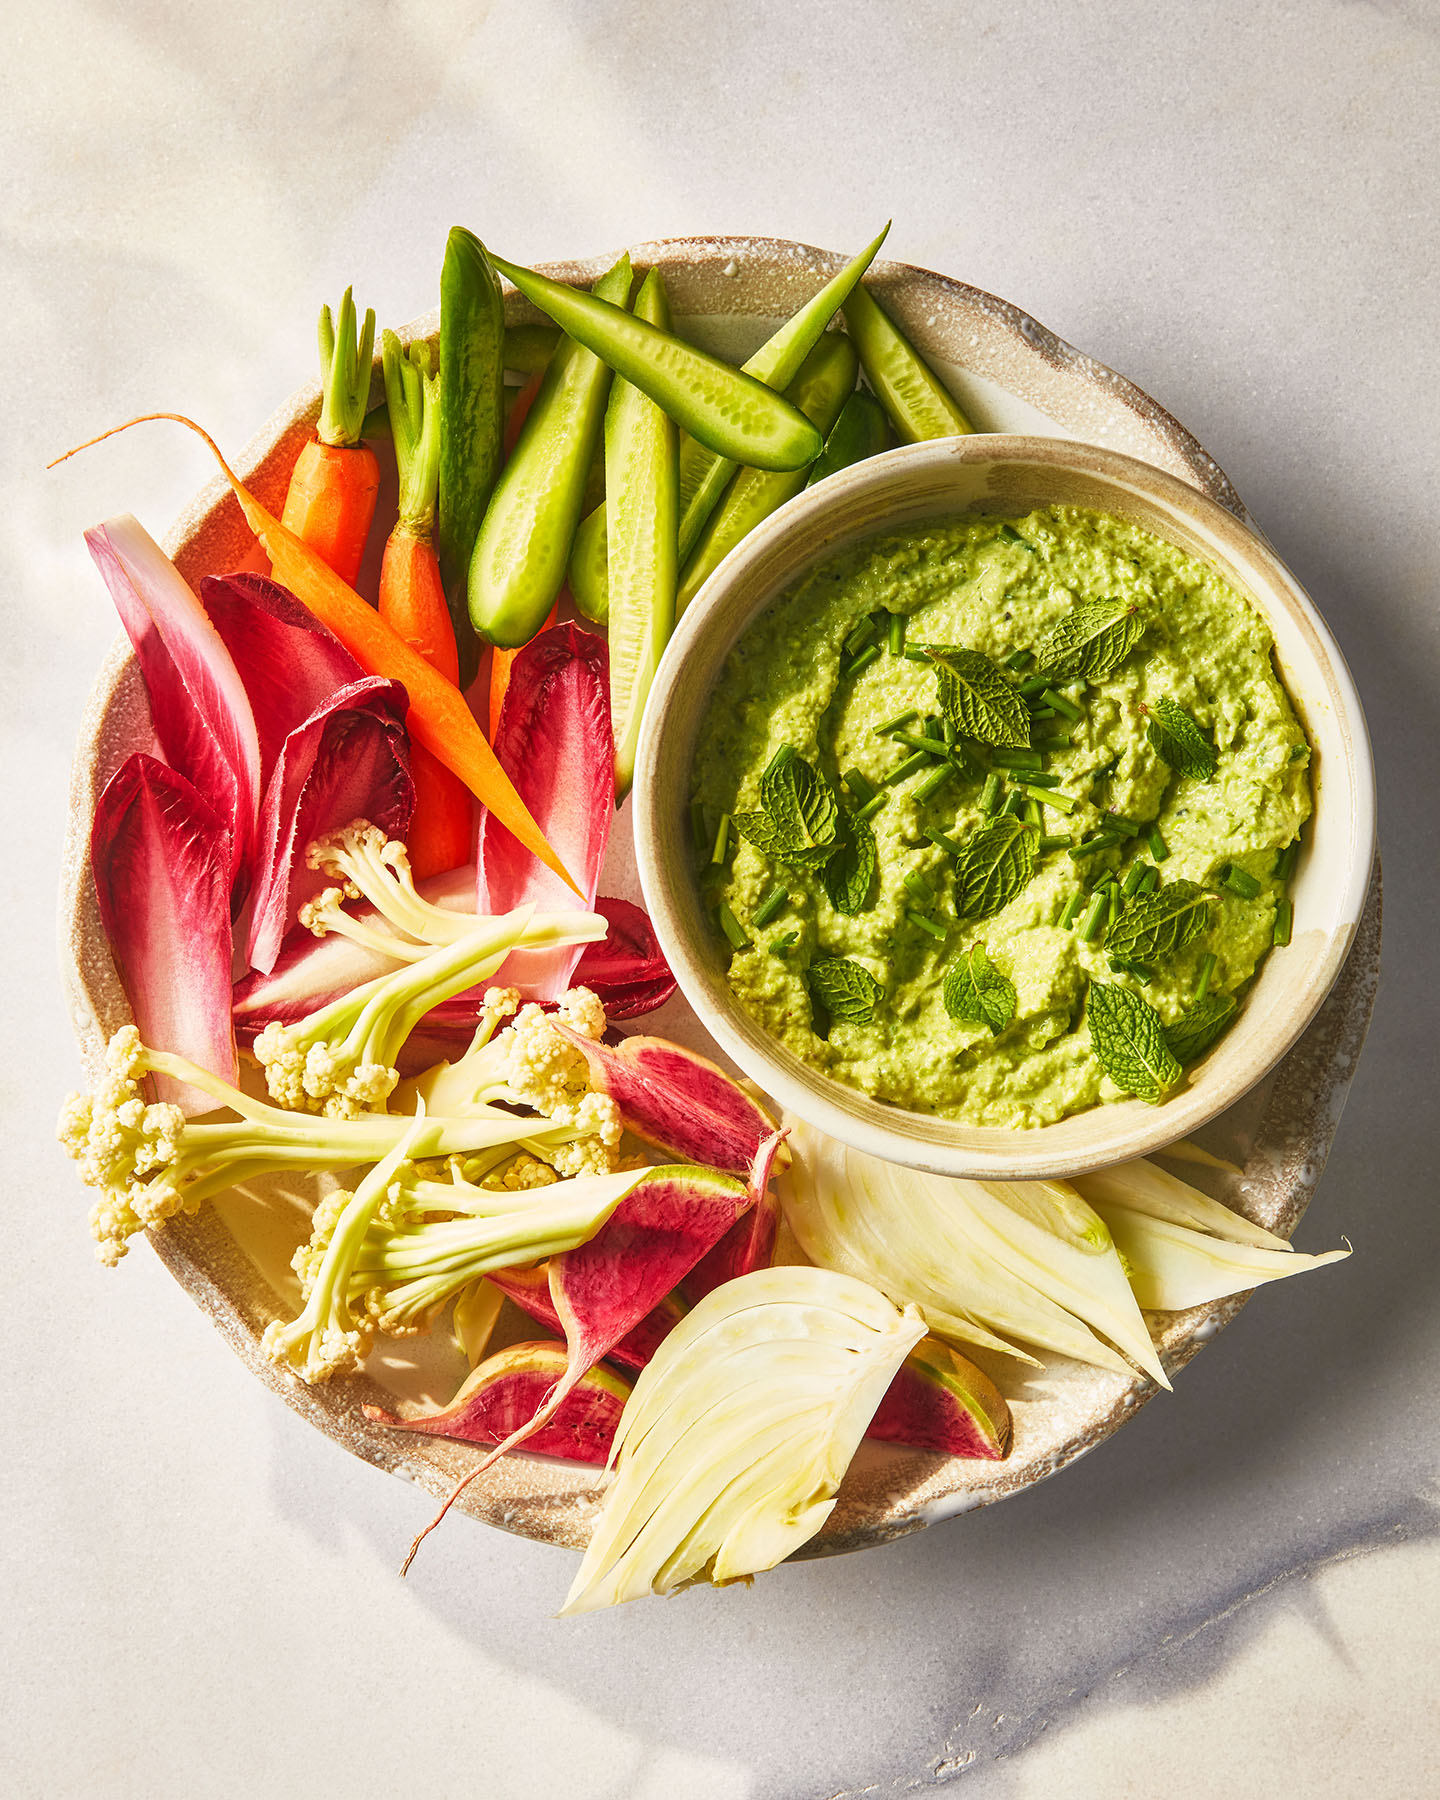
<point>939,1401</point>
<point>603,1289</point>
<point>508,1389</point>
<point>530,1290</point>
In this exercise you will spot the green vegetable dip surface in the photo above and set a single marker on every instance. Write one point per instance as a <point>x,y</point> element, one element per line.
<point>792,686</point>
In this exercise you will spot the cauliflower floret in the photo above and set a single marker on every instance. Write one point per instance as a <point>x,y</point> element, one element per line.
<point>583,1012</point>
<point>543,1070</point>
<point>521,1172</point>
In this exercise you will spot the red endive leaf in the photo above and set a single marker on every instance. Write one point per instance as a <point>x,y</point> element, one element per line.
<point>290,664</point>
<point>349,760</point>
<point>161,860</point>
<point>198,702</point>
<point>555,743</point>
<point>627,968</point>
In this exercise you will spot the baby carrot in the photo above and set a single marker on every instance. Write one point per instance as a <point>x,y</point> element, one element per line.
<point>438,718</point>
<point>331,499</point>
<point>501,663</point>
<point>412,597</point>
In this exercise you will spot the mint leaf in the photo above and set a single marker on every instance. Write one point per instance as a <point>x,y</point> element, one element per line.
<point>978,993</point>
<point>800,820</point>
<point>844,989</point>
<point>1091,640</point>
<point>1159,924</point>
<point>849,876</point>
<point>1195,1031</point>
<point>1128,1037</point>
<point>1178,740</point>
<point>977,699</point>
<point>996,863</point>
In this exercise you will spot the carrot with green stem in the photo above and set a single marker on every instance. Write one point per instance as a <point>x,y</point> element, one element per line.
<point>439,718</point>
<point>412,597</point>
<point>331,499</point>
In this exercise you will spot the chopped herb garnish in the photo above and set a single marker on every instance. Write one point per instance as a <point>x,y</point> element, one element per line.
<point>1039,778</point>
<point>1053,742</point>
<point>860,635</point>
<point>844,989</point>
<point>849,876</point>
<point>1140,971</point>
<point>895,633</point>
<point>979,993</point>
<point>862,661</point>
<point>722,840</point>
<point>1019,659</point>
<point>800,817</point>
<point>1128,1037</point>
<point>935,780</point>
<point>1104,840</point>
<point>1159,849</point>
<point>1197,1028</point>
<point>1207,969</point>
<point>784,755</point>
<point>770,905</point>
<point>1012,536</point>
<point>1072,907</point>
<point>1062,705</point>
<point>1017,759</point>
<point>1014,804</point>
<point>1033,686</point>
<point>1063,803</point>
<point>1284,921</point>
<point>871,806</point>
<point>951,846</point>
<point>1150,881</point>
<point>1092,639</point>
<point>895,723</point>
<point>1285,861</point>
<point>998,861</point>
<point>1055,843</point>
<point>1118,822</point>
<point>990,794</point>
<point>907,768</point>
<point>783,944</point>
<point>732,927</point>
<point>1158,925</point>
<point>1240,882</point>
<point>926,923</point>
<point>917,653</point>
<point>1095,917</point>
<point>975,695</point>
<point>918,886</point>
<point>915,740</point>
<point>949,733</point>
<point>1135,880</point>
<point>1176,739</point>
<point>1299,752</point>
<point>857,785</point>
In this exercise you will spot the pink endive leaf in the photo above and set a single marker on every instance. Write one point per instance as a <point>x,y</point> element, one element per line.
<point>603,1289</point>
<point>290,664</point>
<point>349,760</point>
<point>627,968</point>
<point>198,703</point>
<point>161,860</point>
<point>555,743</point>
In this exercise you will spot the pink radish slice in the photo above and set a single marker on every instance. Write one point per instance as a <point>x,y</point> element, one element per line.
<point>555,743</point>
<point>940,1401</point>
<point>349,760</point>
<point>749,1244</point>
<point>161,859</point>
<point>508,1389</point>
<point>530,1290</point>
<point>198,702</point>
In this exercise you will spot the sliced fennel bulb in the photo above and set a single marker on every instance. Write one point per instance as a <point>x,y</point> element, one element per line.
<point>1172,1266</point>
<point>986,1262</point>
<point>738,1433</point>
<point>1144,1188</point>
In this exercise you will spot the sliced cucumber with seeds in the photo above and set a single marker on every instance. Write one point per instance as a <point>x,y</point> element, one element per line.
<point>919,404</point>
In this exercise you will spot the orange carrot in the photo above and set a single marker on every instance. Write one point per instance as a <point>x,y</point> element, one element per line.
<point>333,485</point>
<point>501,663</point>
<point>412,597</point>
<point>438,718</point>
<point>520,409</point>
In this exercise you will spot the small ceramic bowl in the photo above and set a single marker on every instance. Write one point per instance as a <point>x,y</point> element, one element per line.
<point>1010,475</point>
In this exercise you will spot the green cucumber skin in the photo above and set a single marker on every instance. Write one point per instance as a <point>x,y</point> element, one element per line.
<point>528,348</point>
<point>640,539</point>
<point>472,419</point>
<point>861,431</point>
<point>821,389</point>
<point>919,405</point>
<point>724,408</point>
<point>524,541</point>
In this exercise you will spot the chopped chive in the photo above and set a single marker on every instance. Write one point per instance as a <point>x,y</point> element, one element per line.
<point>697,825</point>
<point>926,923</point>
<point>1012,536</point>
<point>732,927</point>
<point>914,740</point>
<point>783,944</point>
<point>1135,880</point>
<point>1207,969</point>
<point>1104,840</point>
<point>1033,686</point>
<point>1090,930</point>
<point>1054,742</point>
<point>1151,881</point>
<point>1159,849</point>
<point>908,767</point>
<point>785,754</point>
<point>1072,906</point>
<point>949,733</point>
<point>1286,860</point>
<point>770,905</point>
<point>1039,778</point>
<point>1062,705</point>
<point>862,661</point>
<point>1017,759</point>
<point>1014,803</point>
<point>895,633</point>
<point>1298,752</point>
<point>1040,713</point>
<point>722,840</point>
<point>1117,904</point>
<point>895,723</point>
<point>990,794</point>
<point>1284,919</point>
<point>919,886</point>
<point>1063,803</point>
<point>1051,842</point>
<point>1017,659</point>
<point>1033,814</point>
<point>917,653</point>
<point>858,786</point>
<point>934,781</point>
<point>951,846</point>
<point>872,805</point>
<point>1118,822</point>
<point>860,635</point>
<point>1141,971</point>
<point>1241,882</point>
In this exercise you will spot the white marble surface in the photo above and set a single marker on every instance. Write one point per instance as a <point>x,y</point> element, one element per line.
<point>1232,203</point>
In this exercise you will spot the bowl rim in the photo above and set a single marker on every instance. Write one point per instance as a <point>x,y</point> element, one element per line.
<point>923,1141</point>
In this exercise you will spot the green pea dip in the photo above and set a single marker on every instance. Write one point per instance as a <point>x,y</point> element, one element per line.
<point>997,587</point>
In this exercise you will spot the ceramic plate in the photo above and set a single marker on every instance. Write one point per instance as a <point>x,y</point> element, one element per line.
<point>1010,374</point>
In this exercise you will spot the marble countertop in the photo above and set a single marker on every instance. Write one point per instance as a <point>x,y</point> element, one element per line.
<point>1232,204</point>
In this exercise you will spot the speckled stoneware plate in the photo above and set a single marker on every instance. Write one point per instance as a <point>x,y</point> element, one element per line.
<point>1010,375</point>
